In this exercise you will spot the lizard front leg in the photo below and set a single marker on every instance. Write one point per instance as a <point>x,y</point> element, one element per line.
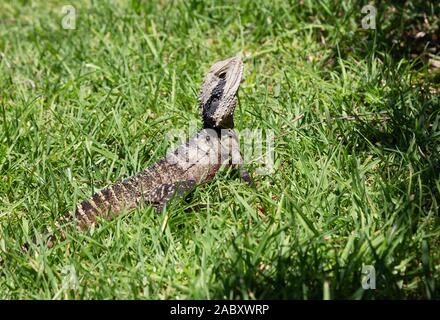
<point>231,154</point>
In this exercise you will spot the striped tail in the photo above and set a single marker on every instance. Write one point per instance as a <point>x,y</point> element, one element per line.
<point>109,202</point>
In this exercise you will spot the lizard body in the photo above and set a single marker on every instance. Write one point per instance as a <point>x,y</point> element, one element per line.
<point>192,163</point>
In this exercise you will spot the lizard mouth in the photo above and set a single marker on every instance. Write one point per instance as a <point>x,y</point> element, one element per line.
<point>236,71</point>
<point>233,76</point>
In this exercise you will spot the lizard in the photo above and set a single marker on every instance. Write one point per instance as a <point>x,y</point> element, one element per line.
<point>197,161</point>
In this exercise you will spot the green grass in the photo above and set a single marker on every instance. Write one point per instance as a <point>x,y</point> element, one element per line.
<point>356,178</point>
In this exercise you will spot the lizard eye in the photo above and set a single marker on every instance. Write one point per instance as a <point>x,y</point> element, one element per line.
<point>222,75</point>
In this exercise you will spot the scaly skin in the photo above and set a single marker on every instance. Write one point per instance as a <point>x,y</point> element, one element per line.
<point>192,163</point>
<point>195,162</point>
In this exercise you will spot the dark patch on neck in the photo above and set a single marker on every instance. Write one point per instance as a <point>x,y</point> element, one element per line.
<point>211,105</point>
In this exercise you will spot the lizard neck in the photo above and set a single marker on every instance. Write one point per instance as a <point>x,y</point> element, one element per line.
<point>228,123</point>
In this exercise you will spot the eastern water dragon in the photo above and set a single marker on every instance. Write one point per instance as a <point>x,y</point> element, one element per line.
<point>216,145</point>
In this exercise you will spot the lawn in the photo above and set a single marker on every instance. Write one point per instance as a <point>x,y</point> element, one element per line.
<point>355,182</point>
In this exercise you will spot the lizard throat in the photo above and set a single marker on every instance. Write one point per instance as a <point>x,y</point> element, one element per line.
<point>216,114</point>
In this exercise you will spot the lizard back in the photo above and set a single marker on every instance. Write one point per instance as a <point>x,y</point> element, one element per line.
<point>192,163</point>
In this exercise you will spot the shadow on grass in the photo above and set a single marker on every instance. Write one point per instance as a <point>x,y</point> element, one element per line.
<point>408,28</point>
<point>301,273</point>
<point>403,29</point>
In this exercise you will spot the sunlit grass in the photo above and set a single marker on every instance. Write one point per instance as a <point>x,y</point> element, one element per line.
<point>357,152</point>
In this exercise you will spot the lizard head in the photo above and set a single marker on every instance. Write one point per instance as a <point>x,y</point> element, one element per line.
<point>218,95</point>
